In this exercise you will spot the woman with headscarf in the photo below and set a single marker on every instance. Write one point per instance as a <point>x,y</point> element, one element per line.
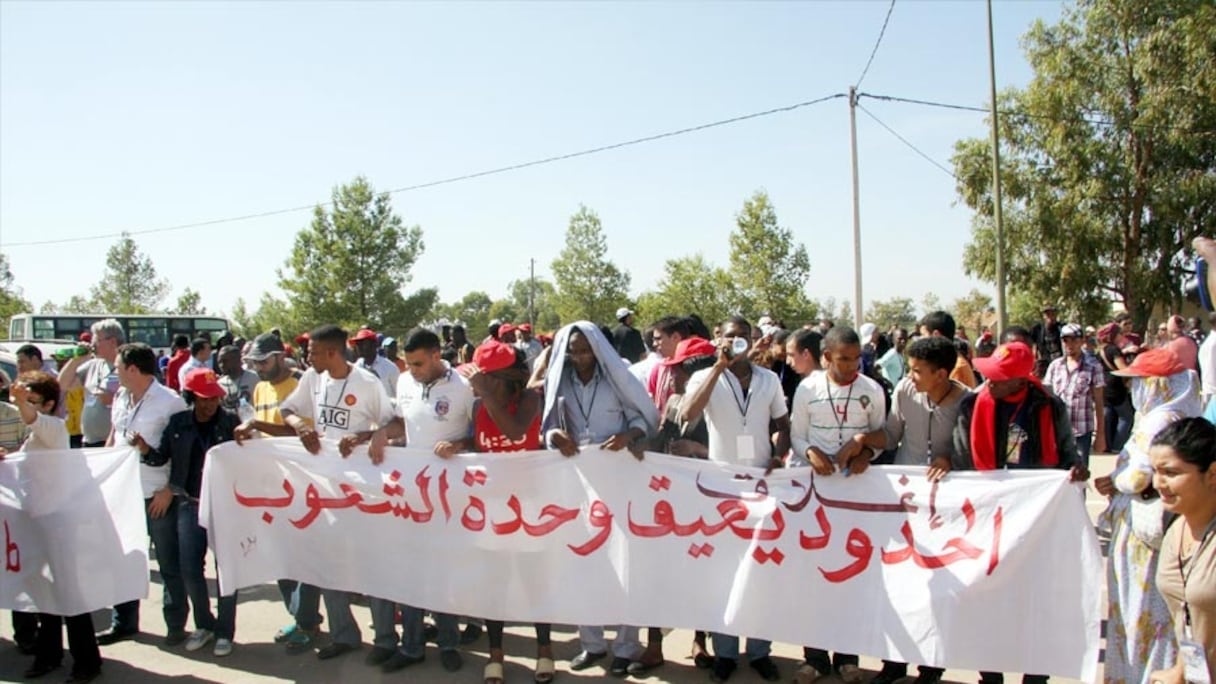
<point>591,398</point>
<point>1139,638</point>
<point>506,417</point>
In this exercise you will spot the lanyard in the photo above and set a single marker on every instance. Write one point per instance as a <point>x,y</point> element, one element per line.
<point>745,403</point>
<point>578,397</point>
<point>1186,574</point>
<point>131,418</point>
<point>341,391</point>
<point>839,414</point>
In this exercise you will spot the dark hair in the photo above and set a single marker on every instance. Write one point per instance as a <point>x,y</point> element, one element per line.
<point>181,342</point>
<point>421,339</point>
<point>670,325</point>
<point>1015,332</point>
<point>963,347</point>
<point>936,351</point>
<point>781,336</point>
<point>1193,439</point>
<point>42,384</point>
<point>494,330</point>
<point>199,345</point>
<point>229,349</point>
<point>739,321</point>
<point>882,346</point>
<point>840,336</point>
<point>697,327</point>
<point>30,351</point>
<point>648,338</point>
<point>939,322</point>
<point>696,363</point>
<point>809,341</point>
<point>328,334</point>
<point>139,355</point>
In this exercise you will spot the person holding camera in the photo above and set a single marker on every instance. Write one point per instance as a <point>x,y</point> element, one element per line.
<point>140,411</point>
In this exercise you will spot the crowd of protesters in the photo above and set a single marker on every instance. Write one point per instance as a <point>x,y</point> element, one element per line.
<point>763,395</point>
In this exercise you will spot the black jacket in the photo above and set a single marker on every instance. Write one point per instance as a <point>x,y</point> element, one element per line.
<point>1028,419</point>
<point>179,439</point>
<point>628,343</point>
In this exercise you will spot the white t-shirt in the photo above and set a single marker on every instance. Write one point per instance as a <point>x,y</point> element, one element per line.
<point>337,406</point>
<point>47,432</point>
<point>1207,364</point>
<point>439,412</point>
<point>147,418</point>
<point>189,366</point>
<point>826,415</point>
<point>385,370</point>
<point>739,426</point>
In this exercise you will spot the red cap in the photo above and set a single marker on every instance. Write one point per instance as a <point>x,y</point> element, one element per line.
<point>494,356</point>
<point>364,334</point>
<point>504,329</point>
<point>526,327</point>
<point>1157,363</point>
<point>302,338</point>
<point>1009,362</point>
<point>86,336</point>
<point>687,349</point>
<point>203,383</point>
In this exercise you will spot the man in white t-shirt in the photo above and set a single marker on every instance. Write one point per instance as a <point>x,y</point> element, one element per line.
<point>342,402</point>
<point>748,423</point>
<point>434,412</point>
<point>833,411</point>
<point>140,411</point>
<point>367,349</point>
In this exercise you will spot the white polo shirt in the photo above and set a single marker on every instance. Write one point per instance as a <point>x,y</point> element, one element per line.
<point>356,403</point>
<point>826,415</point>
<point>147,418</point>
<point>441,411</point>
<point>739,426</point>
<point>385,370</point>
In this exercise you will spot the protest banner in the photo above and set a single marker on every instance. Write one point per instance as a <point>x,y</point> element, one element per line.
<point>996,571</point>
<point>75,537</point>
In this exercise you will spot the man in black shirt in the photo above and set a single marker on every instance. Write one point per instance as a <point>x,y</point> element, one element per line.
<point>1047,343</point>
<point>626,338</point>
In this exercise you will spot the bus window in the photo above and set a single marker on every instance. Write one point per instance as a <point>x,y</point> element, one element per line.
<point>44,329</point>
<point>16,331</point>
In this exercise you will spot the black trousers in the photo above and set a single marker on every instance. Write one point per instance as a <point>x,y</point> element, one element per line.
<point>25,628</point>
<point>86,656</point>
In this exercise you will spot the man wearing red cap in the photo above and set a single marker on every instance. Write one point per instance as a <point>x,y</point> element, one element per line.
<point>529,345</point>
<point>367,348</point>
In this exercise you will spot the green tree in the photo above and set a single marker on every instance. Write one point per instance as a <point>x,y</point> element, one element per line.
<point>130,284</point>
<point>930,302</point>
<point>1107,157</point>
<point>589,286</point>
<point>12,301</point>
<point>973,310</point>
<point>769,269</point>
<point>473,310</point>
<point>79,304</point>
<point>897,311</point>
<point>350,264</point>
<point>690,285</point>
<point>189,302</point>
<point>544,302</point>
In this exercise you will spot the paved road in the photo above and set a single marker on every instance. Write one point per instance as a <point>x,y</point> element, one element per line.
<point>257,660</point>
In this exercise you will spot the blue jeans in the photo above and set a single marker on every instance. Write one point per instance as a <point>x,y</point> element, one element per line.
<point>303,602</point>
<point>727,646</point>
<point>344,630</point>
<point>413,639</point>
<point>1119,420</point>
<point>192,540</point>
<point>1085,444</point>
<point>163,531</point>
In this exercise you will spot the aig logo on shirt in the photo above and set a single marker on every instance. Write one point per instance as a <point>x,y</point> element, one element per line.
<point>333,416</point>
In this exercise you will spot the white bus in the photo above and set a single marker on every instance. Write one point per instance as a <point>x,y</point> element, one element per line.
<point>155,330</point>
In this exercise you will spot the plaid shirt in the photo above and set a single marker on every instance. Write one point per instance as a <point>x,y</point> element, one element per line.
<point>1076,389</point>
<point>13,430</point>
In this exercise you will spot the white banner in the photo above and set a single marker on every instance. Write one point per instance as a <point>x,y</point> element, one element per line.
<point>999,571</point>
<point>74,533</point>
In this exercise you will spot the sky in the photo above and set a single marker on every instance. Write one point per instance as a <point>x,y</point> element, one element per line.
<point>142,116</point>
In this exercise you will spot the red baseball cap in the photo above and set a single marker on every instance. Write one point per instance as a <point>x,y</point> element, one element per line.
<point>302,338</point>
<point>203,383</point>
<point>504,329</point>
<point>364,334</point>
<point>526,327</point>
<point>494,356</point>
<point>86,336</point>
<point>690,348</point>
<point>1157,363</point>
<point>1009,362</point>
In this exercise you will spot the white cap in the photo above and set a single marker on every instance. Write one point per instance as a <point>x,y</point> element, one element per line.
<point>867,331</point>
<point>622,312</point>
<point>1071,330</point>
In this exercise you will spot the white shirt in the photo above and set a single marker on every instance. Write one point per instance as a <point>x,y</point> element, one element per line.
<point>189,366</point>
<point>338,406</point>
<point>385,370</point>
<point>1207,364</point>
<point>147,418</point>
<point>826,415</point>
<point>531,349</point>
<point>47,432</point>
<point>441,411</point>
<point>641,369</point>
<point>739,426</point>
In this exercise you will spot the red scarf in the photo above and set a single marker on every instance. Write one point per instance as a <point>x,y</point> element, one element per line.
<point>983,429</point>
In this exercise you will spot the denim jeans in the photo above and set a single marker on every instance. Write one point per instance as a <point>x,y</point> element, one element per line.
<point>344,630</point>
<point>192,540</point>
<point>163,531</point>
<point>1119,418</point>
<point>303,602</point>
<point>1085,444</point>
<point>627,643</point>
<point>413,639</point>
<point>727,646</point>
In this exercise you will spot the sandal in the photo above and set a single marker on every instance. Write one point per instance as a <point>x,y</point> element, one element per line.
<point>545,668</point>
<point>493,673</point>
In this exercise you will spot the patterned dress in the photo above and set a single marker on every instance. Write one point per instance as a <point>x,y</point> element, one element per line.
<point>1139,634</point>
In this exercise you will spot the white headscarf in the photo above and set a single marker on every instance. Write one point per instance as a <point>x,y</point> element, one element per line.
<point>1159,401</point>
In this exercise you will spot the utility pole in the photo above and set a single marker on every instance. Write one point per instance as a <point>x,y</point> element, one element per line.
<point>857,302</point>
<point>998,225</point>
<point>532,292</point>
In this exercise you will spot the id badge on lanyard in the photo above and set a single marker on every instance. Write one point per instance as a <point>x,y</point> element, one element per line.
<point>1194,660</point>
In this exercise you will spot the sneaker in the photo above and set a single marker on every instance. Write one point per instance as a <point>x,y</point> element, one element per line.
<point>766,668</point>
<point>223,647</point>
<point>889,674</point>
<point>451,660</point>
<point>284,635</point>
<point>723,669</point>
<point>115,635</point>
<point>377,656</point>
<point>400,661</point>
<point>808,674</point>
<point>198,639</point>
<point>850,674</point>
<point>175,637</point>
<point>471,633</point>
<point>301,640</point>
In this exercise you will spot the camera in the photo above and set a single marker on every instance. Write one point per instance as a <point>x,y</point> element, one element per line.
<point>1195,287</point>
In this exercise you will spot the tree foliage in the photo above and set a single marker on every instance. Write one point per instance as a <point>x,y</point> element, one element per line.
<point>129,285</point>
<point>544,302</point>
<point>690,285</point>
<point>973,311</point>
<point>768,268</point>
<point>1107,157</point>
<point>350,265</point>
<point>12,301</point>
<point>897,312</point>
<point>589,285</point>
<point>473,310</point>
<point>189,302</point>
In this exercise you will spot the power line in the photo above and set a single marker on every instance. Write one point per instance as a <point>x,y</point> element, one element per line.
<point>878,42</point>
<point>453,179</point>
<point>905,141</point>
